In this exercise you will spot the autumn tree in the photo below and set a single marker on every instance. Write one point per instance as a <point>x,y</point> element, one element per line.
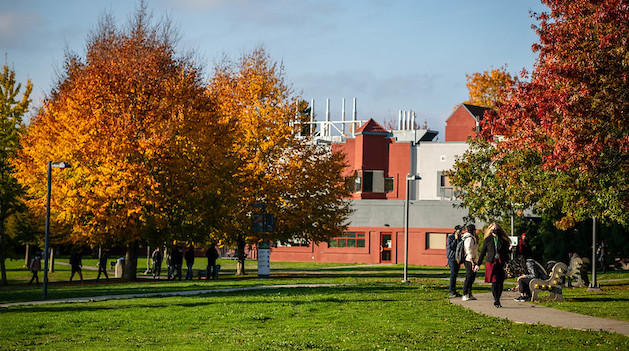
<point>298,183</point>
<point>564,135</point>
<point>486,89</point>
<point>135,123</point>
<point>12,110</point>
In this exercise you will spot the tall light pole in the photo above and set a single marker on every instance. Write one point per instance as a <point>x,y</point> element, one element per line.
<point>50,166</point>
<point>409,178</point>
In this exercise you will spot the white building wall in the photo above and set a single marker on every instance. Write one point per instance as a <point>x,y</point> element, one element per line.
<point>432,159</point>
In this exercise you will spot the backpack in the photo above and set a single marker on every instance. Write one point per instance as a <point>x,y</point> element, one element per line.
<point>459,252</point>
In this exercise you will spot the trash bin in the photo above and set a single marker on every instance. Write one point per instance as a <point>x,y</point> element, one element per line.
<point>119,267</point>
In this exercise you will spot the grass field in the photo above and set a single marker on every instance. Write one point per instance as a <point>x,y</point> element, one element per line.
<point>369,309</point>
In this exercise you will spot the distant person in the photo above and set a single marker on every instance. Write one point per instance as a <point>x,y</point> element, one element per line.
<point>496,249</point>
<point>157,258</point>
<point>601,252</point>
<point>189,262</point>
<point>470,244</point>
<point>76,261</point>
<point>170,263</point>
<point>102,265</point>
<point>35,267</point>
<point>534,271</point>
<point>212,255</point>
<point>177,258</point>
<point>524,247</point>
<point>451,242</point>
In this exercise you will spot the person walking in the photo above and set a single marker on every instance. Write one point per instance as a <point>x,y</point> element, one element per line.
<point>157,258</point>
<point>76,261</point>
<point>177,261</point>
<point>170,265</point>
<point>212,255</point>
<point>496,248</point>
<point>35,267</point>
<point>470,245</point>
<point>451,242</point>
<point>102,265</point>
<point>601,251</point>
<point>189,262</point>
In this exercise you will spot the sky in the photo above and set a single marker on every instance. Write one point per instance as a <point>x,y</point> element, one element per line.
<point>390,55</point>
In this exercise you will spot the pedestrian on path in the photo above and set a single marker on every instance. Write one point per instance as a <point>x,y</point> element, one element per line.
<point>496,247</point>
<point>451,243</point>
<point>470,244</point>
<point>157,258</point>
<point>35,267</point>
<point>212,255</point>
<point>76,261</point>
<point>189,262</point>
<point>102,265</point>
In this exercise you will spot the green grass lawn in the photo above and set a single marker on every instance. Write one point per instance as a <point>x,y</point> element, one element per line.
<point>370,309</point>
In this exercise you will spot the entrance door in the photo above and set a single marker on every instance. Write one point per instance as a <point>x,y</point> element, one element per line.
<point>386,245</point>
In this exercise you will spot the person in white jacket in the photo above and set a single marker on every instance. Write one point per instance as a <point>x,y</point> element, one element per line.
<point>470,243</point>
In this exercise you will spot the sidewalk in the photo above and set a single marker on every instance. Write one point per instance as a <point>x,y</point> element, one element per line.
<point>529,313</point>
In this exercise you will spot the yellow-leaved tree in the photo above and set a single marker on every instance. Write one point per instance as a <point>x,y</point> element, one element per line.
<point>489,87</point>
<point>135,122</point>
<point>298,182</point>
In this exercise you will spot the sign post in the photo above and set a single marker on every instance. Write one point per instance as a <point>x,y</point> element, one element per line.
<point>263,223</point>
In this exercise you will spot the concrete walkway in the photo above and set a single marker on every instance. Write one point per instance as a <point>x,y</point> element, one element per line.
<point>530,313</point>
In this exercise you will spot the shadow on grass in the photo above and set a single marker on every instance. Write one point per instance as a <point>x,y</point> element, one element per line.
<point>293,296</point>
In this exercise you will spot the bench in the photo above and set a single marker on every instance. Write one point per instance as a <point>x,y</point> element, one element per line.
<point>553,284</point>
<point>202,272</point>
<point>577,274</point>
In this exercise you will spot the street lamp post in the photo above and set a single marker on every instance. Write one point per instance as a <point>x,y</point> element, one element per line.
<point>409,178</point>
<point>50,166</point>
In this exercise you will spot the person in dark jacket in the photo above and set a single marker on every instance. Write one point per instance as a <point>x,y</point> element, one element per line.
<point>534,270</point>
<point>35,267</point>
<point>76,261</point>
<point>211,254</point>
<point>496,247</point>
<point>524,247</point>
<point>189,262</point>
<point>177,261</point>
<point>102,265</point>
<point>157,258</point>
<point>451,242</point>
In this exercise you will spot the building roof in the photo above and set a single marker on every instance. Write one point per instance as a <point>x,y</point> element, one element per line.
<point>371,128</point>
<point>476,111</point>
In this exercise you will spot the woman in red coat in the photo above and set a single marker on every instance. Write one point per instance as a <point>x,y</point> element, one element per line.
<point>496,247</point>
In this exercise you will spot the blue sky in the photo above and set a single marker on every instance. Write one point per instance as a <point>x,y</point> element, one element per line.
<point>389,54</point>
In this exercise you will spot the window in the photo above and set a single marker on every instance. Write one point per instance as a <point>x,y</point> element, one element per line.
<point>445,190</point>
<point>388,185</point>
<point>436,240</point>
<point>371,181</point>
<point>350,239</point>
<point>295,241</point>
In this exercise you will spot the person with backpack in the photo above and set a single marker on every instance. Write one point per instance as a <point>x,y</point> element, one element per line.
<point>157,258</point>
<point>496,246</point>
<point>470,247</point>
<point>35,267</point>
<point>451,244</point>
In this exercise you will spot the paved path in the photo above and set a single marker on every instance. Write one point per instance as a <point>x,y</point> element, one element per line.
<point>529,313</point>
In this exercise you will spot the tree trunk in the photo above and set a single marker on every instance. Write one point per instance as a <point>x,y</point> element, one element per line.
<point>51,261</point>
<point>240,266</point>
<point>131,262</point>
<point>27,255</point>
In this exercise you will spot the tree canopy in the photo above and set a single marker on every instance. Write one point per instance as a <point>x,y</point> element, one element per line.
<point>12,111</point>
<point>488,88</point>
<point>559,143</point>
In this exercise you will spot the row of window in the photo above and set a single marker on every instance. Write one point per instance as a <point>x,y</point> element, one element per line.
<point>372,182</point>
<point>357,240</point>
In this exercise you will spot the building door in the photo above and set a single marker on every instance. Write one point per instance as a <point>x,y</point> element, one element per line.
<point>386,245</point>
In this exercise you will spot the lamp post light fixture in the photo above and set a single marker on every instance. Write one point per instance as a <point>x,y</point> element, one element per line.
<point>409,178</point>
<point>50,166</point>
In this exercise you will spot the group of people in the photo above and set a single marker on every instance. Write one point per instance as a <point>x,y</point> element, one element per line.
<point>495,250</point>
<point>174,262</point>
